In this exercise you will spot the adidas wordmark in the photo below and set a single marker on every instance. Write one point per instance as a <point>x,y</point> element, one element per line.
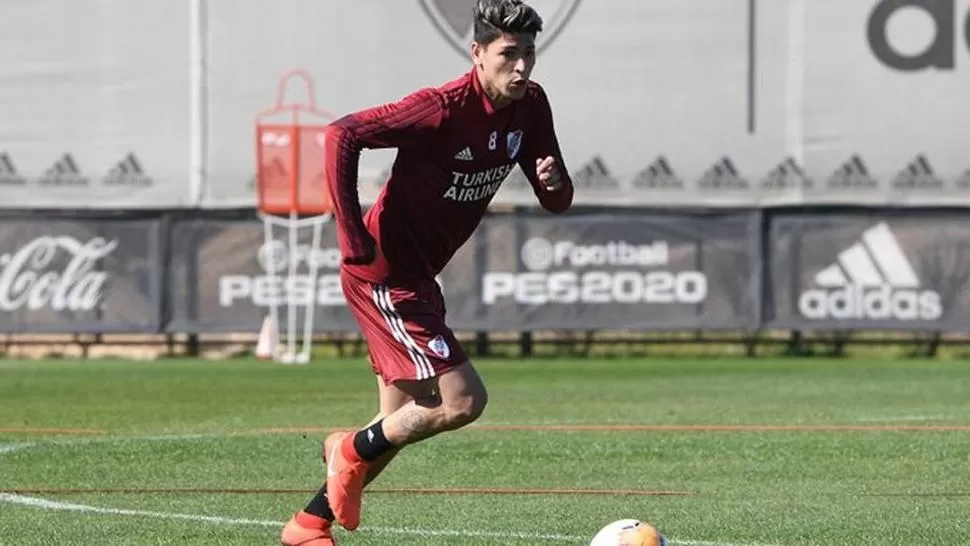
<point>872,280</point>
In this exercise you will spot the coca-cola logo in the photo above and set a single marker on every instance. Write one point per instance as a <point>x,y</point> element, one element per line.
<point>56,273</point>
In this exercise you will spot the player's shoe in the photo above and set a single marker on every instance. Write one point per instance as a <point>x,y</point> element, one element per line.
<point>295,534</point>
<point>345,479</point>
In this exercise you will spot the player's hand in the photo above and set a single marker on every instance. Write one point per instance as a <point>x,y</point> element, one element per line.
<point>548,172</point>
<point>366,252</point>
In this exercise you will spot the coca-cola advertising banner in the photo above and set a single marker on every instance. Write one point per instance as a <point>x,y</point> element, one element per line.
<point>869,270</point>
<point>80,274</point>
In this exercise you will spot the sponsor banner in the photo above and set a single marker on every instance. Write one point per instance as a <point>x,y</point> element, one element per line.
<point>225,277</point>
<point>590,272</point>
<point>880,104</point>
<point>725,103</point>
<point>619,271</point>
<point>673,125</point>
<point>80,275</point>
<point>722,103</point>
<point>99,116</point>
<point>603,271</point>
<point>879,270</point>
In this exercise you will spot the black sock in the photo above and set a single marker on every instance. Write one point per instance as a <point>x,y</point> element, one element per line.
<point>320,505</point>
<point>371,443</point>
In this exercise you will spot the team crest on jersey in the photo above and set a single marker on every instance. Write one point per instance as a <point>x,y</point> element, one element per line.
<point>440,347</point>
<point>455,18</point>
<point>513,141</point>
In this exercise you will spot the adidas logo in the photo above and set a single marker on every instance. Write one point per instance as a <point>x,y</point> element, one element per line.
<point>465,155</point>
<point>873,280</point>
<point>852,175</point>
<point>63,173</point>
<point>658,176</point>
<point>127,172</point>
<point>787,175</point>
<point>594,175</point>
<point>918,175</point>
<point>8,173</point>
<point>722,176</point>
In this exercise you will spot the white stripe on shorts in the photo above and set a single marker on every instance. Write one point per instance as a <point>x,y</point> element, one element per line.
<point>382,298</point>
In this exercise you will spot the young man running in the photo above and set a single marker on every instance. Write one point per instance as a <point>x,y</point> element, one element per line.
<point>456,144</point>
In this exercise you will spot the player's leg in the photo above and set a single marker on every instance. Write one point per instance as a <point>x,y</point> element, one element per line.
<point>311,526</point>
<point>392,399</point>
<point>414,350</point>
<point>452,400</point>
<point>314,522</point>
<point>455,399</point>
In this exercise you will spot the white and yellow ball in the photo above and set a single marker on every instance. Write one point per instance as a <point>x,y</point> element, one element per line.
<point>629,532</point>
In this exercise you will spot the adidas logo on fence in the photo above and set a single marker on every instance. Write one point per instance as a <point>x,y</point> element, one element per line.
<point>64,172</point>
<point>918,175</point>
<point>787,176</point>
<point>658,176</point>
<point>8,173</point>
<point>873,280</point>
<point>852,175</point>
<point>127,172</point>
<point>594,175</point>
<point>722,176</point>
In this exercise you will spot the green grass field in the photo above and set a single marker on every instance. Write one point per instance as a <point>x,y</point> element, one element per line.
<point>715,452</point>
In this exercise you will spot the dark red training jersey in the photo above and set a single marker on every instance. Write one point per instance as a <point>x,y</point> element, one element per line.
<point>454,151</point>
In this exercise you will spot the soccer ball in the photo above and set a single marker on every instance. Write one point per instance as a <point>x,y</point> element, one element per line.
<point>629,532</point>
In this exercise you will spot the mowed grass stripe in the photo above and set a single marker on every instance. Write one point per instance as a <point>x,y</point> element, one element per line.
<point>370,490</point>
<point>656,428</point>
<point>542,428</point>
<point>393,531</point>
<point>54,431</point>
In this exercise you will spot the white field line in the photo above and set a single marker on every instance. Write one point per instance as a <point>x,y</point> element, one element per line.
<point>45,504</point>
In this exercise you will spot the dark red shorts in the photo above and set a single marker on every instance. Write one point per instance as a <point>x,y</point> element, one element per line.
<point>404,325</point>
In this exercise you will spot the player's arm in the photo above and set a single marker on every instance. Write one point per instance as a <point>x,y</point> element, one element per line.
<point>542,162</point>
<point>402,124</point>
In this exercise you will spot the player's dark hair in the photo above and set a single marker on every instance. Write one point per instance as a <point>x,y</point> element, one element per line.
<point>496,17</point>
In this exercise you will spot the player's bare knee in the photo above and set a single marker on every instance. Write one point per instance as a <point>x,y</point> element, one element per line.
<point>466,409</point>
<point>463,395</point>
<point>478,403</point>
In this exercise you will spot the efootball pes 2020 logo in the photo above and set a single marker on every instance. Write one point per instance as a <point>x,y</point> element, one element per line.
<point>455,20</point>
<point>872,279</point>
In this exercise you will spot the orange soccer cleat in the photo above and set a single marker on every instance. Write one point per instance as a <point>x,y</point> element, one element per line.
<point>307,530</point>
<point>346,473</point>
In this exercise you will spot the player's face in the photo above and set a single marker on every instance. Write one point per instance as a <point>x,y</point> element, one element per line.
<point>505,66</point>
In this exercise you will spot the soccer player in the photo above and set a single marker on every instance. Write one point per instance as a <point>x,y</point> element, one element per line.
<point>455,145</point>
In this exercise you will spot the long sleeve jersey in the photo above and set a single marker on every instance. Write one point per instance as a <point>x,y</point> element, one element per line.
<point>454,150</point>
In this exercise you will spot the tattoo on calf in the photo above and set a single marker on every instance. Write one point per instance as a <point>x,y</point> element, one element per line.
<point>414,423</point>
